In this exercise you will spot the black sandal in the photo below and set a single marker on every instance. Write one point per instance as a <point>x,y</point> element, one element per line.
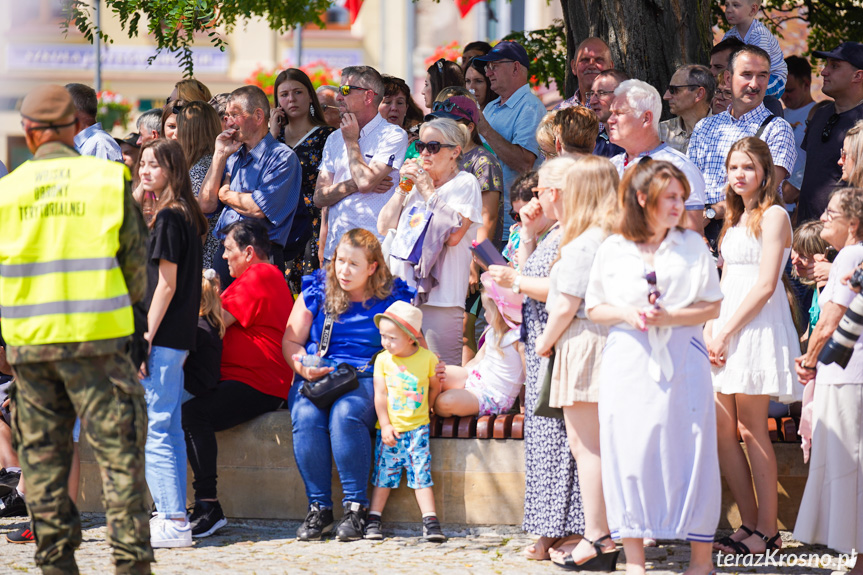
<point>727,541</point>
<point>770,542</point>
<point>602,561</point>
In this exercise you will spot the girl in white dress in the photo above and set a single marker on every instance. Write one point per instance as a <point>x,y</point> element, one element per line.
<point>753,343</point>
<point>655,284</point>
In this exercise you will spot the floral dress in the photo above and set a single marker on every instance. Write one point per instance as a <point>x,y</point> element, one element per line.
<point>197,173</point>
<point>552,498</point>
<point>309,151</point>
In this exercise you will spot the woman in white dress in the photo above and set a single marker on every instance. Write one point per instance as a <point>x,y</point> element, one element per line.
<point>655,284</point>
<point>753,343</point>
<point>831,512</point>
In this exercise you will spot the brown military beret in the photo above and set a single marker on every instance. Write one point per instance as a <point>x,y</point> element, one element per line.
<point>48,104</point>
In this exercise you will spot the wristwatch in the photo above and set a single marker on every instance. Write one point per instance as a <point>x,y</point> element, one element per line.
<point>710,213</point>
<point>516,285</point>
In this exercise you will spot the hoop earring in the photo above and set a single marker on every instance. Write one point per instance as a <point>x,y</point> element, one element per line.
<point>312,110</point>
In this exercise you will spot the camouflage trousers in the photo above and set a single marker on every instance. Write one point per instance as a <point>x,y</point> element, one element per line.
<point>105,393</point>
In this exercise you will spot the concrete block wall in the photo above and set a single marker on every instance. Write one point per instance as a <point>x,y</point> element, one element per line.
<point>477,481</point>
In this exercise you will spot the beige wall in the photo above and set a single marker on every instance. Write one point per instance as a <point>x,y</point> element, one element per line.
<point>378,38</point>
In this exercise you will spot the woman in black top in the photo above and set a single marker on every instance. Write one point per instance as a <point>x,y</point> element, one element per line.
<point>173,298</point>
<point>298,121</point>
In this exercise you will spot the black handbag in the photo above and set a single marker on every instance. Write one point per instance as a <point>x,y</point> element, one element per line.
<point>324,391</point>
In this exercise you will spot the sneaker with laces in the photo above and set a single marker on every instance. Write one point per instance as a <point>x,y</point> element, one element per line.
<point>318,522</point>
<point>373,528</point>
<point>169,533</point>
<point>353,522</point>
<point>432,531</point>
<point>23,535</point>
<point>8,481</point>
<point>13,505</point>
<point>207,518</point>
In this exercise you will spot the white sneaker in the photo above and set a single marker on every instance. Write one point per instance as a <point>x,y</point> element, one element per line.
<point>170,533</point>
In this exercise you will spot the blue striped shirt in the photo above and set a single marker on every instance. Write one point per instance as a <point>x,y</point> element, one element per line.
<point>96,142</point>
<point>271,172</point>
<point>713,137</point>
<point>759,35</point>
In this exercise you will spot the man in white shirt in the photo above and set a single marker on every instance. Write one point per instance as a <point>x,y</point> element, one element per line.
<point>360,162</point>
<point>634,126</point>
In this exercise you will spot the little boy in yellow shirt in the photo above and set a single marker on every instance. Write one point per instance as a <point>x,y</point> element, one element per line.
<point>405,387</point>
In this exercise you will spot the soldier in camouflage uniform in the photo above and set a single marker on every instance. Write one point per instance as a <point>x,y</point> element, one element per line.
<point>94,379</point>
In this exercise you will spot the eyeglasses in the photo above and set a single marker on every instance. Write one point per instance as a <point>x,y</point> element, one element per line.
<point>673,90</point>
<point>828,127</point>
<point>724,94</point>
<point>653,292</point>
<point>830,215</point>
<point>448,106</point>
<point>492,66</point>
<point>432,147</point>
<point>516,217</point>
<point>345,89</point>
<point>598,93</point>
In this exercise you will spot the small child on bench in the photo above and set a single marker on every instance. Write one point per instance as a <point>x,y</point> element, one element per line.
<point>405,387</point>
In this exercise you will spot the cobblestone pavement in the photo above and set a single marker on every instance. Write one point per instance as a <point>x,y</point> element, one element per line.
<point>258,547</point>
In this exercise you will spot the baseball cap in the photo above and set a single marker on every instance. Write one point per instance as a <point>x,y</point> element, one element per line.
<point>851,52</point>
<point>506,50</point>
<point>131,140</point>
<point>455,108</point>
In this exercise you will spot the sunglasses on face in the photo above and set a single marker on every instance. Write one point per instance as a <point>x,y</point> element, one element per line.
<point>516,217</point>
<point>828,127</point>
<point>432,147</point>
<point>673,90</point>
<point>447,106</point>
<point>345,89</point>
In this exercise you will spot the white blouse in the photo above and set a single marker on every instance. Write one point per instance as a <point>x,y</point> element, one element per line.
<point>685,274</point>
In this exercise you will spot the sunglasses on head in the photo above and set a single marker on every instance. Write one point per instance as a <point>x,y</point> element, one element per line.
<point>448,106</point>
<point>177,109</point>
<point>432,147</point>
<point>345,89</point>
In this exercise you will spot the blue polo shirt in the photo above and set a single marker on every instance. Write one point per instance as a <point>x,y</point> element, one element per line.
<point>271,172</point>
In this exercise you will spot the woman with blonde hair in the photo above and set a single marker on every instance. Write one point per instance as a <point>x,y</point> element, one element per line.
<point>341,301</point>
<point>189,90</point>
<point>552,500</point>
<point>587,202</point>
<point>546,137</point>
<point>753,343</point>
<point>851,157</point>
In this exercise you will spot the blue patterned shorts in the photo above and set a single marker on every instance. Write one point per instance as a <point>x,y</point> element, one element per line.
<point>410,452</point>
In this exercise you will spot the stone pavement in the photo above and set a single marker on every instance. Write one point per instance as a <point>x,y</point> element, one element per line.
<point>259,547</point>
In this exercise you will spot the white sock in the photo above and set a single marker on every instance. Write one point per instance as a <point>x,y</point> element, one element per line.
<point>430,514</point>
<point>375,513</point>
<point>13,469</point>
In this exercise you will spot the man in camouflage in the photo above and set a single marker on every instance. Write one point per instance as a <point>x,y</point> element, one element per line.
<point>94,379</point>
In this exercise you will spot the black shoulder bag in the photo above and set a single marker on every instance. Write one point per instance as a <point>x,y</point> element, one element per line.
<point>324,391</point>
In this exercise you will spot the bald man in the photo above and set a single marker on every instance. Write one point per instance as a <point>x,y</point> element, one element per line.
<point>591,57</point>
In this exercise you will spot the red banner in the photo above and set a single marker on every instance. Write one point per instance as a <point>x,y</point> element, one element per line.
<point>464,6</point>
<point>353,7</point>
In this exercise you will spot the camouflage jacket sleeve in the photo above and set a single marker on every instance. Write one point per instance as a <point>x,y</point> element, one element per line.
<point>132,254</point>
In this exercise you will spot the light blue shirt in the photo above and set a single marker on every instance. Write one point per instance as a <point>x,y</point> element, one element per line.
<point>516,120</point>
<point>96,142</point>
<point>271,172</point>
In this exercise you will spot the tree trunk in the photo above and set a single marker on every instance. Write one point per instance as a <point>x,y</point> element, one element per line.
<point>649,39</point>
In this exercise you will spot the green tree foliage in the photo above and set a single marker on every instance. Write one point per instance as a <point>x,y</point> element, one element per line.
<point>546,49</point>
<point>174,24</point>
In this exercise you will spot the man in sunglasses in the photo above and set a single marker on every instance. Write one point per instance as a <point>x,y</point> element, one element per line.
<point>508,124</point>
<point>689,95</point>
<point>825,135</point>
<point>360,162</point>
<point>713,136</point>
<point>91,139</point>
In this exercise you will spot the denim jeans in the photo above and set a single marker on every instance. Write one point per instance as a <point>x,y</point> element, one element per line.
<point>165,451</point>
<point>343,433</point>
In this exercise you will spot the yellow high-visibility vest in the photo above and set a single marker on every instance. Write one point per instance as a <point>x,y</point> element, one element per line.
<point>60,281</point>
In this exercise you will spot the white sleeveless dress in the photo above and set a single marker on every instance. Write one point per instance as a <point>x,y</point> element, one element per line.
<point>760,357</point>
